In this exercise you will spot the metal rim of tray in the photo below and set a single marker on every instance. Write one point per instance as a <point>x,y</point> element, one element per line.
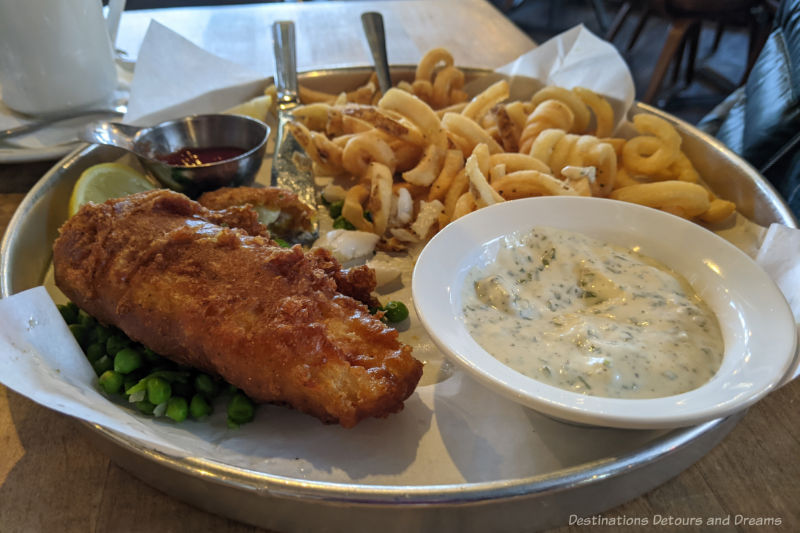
<point>398,495</point>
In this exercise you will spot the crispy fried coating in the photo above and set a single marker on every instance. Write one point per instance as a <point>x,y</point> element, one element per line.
<point>208,289</point>
<point>294,214</point>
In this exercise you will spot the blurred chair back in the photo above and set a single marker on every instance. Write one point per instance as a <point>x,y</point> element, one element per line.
<point>761,120</point>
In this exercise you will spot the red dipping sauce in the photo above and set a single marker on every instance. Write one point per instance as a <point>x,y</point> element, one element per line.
<point>193,157</point>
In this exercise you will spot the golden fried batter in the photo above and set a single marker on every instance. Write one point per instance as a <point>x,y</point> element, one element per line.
<point>294,215</point>
<point>209,289</point>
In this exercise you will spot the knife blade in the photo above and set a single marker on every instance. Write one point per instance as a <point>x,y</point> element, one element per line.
<point>291,167</point>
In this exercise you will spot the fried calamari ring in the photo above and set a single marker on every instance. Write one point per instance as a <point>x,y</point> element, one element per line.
<point>680,198</point>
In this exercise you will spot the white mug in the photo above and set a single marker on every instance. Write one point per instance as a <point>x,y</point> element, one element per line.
<point>55,56</point>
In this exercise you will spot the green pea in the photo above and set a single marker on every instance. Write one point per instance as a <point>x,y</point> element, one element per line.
<point>87,320</point>
<point>205,384</point>
<point>95,351</point>
<point>111,382</point>
<point>81,333</point>
<point>102,365</point>
<point>177,408</point>
<point>282,243</point>
<point>69,311</point>
<point>151,356</point>
<point>182,388</point>
<point>115,343</point>
<point>101,334</point>
<point>240,409</point>
<point>335,209</point>
<point>158,390</point>
<point>395,311</point>
<point>199,407</point>
<point>145,407</point>
<point>342,223</point>
<point>127,360</point>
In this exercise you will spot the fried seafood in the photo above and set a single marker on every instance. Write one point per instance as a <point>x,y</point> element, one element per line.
<point>210,289</point>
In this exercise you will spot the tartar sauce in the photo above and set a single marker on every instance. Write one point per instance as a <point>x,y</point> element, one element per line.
<point>590,317</point>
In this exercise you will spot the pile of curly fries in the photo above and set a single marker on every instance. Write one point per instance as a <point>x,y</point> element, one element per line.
<point>424,154</point>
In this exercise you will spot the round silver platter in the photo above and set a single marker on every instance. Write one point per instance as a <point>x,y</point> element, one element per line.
<point>572,470</point>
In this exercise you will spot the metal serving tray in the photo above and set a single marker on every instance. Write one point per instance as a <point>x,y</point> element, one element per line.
<point>586,471</point>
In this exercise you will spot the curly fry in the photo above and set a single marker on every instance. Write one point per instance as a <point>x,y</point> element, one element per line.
<point>550,114</point>
<point>677,197</point>
<point>447,80</point>
<point>453,162</point>
<point>526,183</point>
<point>567,97</point>
<point>429,62</point>
<point>353,210</point>
<point>483,102</point>
<point>364,148</point>
<point>603,114</point>
<point>380,195</point>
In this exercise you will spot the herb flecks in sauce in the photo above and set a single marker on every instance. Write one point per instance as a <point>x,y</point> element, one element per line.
<point>590,317</point>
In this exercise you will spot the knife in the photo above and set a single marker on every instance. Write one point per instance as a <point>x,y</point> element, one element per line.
<point>291,168</point>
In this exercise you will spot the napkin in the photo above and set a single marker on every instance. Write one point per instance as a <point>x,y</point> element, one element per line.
<point>63,132</point>
<point>188,80</point>
<point>40,359</point>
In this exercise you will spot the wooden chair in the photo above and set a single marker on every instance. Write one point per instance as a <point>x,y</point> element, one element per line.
<point>686,18</point>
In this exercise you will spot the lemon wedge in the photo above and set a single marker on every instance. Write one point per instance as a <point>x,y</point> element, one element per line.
<point>257,108</point>
<point>100,182</point>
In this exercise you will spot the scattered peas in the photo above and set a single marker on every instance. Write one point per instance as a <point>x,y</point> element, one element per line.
<point>160,386</point>
<point>145,407</point>
<point>335,209</point>
<point>177,408</point>
<point>81,333</point>
<point>240,409</point>
<point>205,384</point>
<point>158,390</point>
<point>95,351</point>
<point>342,223</point>
<point>115,343</point>
<point>395,311</point>
<point>111,382</point>
<point>199,407</point>
<point>69,312</point>
<point>127,360</point>
<point>87,320</point>
<point>103,364</point>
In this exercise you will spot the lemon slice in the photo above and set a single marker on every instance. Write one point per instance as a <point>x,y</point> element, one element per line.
<point>257,108</point>
<point>100,182</point>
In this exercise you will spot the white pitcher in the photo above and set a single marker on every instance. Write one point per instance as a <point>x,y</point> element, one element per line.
<point>55,55</point>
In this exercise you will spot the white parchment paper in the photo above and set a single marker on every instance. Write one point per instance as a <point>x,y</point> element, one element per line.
<point>451,431</point>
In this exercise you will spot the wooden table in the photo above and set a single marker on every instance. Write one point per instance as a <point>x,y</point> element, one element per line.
<point>52,479</point>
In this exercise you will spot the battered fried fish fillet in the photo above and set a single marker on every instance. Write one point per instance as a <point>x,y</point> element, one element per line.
<point>209,289</point>
<point>285,213</point>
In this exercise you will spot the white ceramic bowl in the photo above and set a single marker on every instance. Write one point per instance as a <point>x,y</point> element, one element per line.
<point>757,324</point>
